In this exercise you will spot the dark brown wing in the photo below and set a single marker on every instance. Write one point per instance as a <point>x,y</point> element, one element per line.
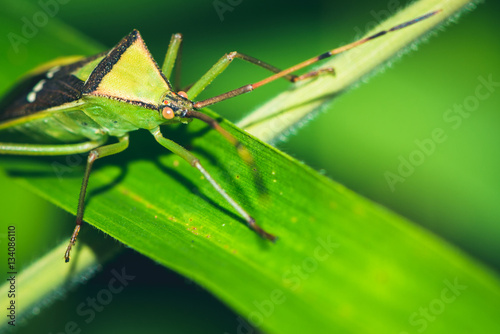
<point>45,90</point>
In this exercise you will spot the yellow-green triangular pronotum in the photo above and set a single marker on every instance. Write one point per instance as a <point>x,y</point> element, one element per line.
<point>128,72</point>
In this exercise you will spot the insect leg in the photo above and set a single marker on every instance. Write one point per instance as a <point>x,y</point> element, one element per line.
<point>36,149</point>
<point>287,72</point>
<point>242,150</point>
<point>174,53</point>
<point>223,63</point>
<point>95,154</point>
<point>193,161</point>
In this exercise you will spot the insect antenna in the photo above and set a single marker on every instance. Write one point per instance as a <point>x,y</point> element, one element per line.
<point>342,49</point>
<point>285,73</point>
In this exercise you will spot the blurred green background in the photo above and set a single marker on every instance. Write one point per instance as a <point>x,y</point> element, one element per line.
<point>360,137</point>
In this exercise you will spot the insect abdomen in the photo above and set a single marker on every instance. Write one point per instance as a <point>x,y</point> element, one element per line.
<point>54,128</point>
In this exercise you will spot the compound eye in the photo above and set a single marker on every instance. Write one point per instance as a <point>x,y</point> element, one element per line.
<point>168,113</point>
<point>183,94</point>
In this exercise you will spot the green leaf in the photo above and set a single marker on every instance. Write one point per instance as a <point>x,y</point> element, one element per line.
<point>342,263</point>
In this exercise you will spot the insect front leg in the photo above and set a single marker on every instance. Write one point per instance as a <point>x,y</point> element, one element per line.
<point>95,154</point>
<point>193,161</point>
<point>174,53</point>
<point>224,62</point>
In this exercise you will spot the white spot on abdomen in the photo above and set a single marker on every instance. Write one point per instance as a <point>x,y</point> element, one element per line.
<point>38,87</point>
<point>50,73</point>
<point>31,97</point>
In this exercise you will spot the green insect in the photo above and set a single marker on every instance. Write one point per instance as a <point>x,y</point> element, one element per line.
<point>73,105</point>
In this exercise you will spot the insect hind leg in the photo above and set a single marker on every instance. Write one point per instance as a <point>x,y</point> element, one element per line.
<point>95,154</point>
<point>44,150</point>
<point>193,161</point>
